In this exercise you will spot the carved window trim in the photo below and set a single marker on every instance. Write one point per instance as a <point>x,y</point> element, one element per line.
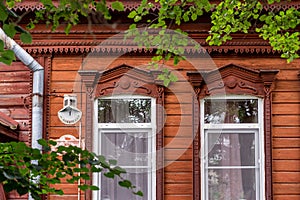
<point>235,80</point>
<point>126,80</point>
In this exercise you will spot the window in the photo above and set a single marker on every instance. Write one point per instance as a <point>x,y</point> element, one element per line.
<point>232,133</point>
<point>126,133</point>
<point>232,148</point>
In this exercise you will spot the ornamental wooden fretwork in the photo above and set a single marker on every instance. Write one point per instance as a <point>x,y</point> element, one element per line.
<point>236,80</point>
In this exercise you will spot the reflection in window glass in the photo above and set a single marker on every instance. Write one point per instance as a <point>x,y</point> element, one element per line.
<point>217,111</point>
<point>231,149</point>
<point>130,149</point>
<point>124,110</point>
<point>235,184</point>
<point>112,191</point>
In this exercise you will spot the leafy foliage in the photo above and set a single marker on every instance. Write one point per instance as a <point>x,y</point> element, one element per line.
<point>227,17</point>
<point>29,170</point>
<point>277,27</point>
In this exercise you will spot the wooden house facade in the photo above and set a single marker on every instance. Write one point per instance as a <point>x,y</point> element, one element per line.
<point>95,65</point>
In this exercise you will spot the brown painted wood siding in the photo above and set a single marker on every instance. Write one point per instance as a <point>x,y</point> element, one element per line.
<point>178,183</point>
<point>15,101</point>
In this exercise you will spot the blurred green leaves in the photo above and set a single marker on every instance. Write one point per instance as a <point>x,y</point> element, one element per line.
<point>21,167</point>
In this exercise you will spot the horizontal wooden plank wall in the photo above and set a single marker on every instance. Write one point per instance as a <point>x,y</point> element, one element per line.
<point>285,123</point>
<point>15,101</point>
<point>178,183</point>
<point>286,135</point>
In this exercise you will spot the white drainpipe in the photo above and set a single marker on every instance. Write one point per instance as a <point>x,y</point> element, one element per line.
<point>37,88</point>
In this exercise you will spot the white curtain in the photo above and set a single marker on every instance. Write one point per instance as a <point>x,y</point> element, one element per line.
<point>130,150</point>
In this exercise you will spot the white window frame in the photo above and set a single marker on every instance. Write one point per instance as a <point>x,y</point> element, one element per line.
<point>100,128</point>
<point>242,128</point>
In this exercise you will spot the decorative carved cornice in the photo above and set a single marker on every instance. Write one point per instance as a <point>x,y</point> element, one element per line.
<point>121,80</point>
<point>232,79</point>
<point>30,5</point>
<point>256,46</point>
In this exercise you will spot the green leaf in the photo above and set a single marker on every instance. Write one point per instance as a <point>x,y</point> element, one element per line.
<point>1,45</point>
<point>26,38</point>
<point>166,82</point>
<point>10,30</point>
<point>139,193</point>
<point>132,14</point>
<point>112,162</point>
<point>125,183</point>
<point>3,12</point>
<point>7,57</point>
<point>117,6</point>
<point>93,187</point>
<point>83,187</point>
<point>109,175</point>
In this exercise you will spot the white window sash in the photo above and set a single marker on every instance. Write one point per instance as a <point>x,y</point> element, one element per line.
<point>100,128</point>
<point>240,128</point>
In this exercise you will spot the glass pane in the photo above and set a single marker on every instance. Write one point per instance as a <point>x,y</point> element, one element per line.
<point>110,189</point>
<point>129,149</point>
<point>231,149</point>
<point>230,111</point>
<point>233,184</point>
<point>124,110</point>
